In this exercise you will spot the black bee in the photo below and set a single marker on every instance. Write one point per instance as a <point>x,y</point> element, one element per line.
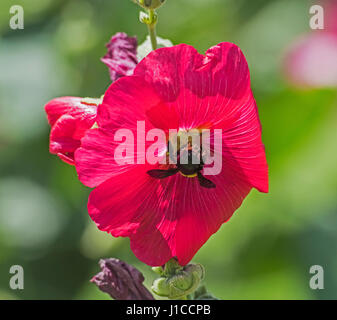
<point>192,168</point>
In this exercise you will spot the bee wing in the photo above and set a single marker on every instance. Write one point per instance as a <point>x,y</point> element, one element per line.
<point>161,174</point>
<point>205,182</point>
<point>172,152</point>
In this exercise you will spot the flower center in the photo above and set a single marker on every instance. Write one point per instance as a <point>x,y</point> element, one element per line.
<point>185,156</point>
<point>185,150</point>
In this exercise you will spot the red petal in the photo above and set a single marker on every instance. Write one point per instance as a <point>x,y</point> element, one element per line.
<point>69,118</point>
<point>68,105</point>
<point>131,99</point>
<point>212,91</point>
<point>164,69</point>
<point>95,159</point>
<point>119,205</point>
<point>187,215</point>
<point>127,101</point>
<point>66,134</point>
<point>201,90</point>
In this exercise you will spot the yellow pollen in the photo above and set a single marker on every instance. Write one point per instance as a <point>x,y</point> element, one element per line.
<point>188,175</point>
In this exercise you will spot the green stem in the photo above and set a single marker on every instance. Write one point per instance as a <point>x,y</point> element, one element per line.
<point>152,29</point>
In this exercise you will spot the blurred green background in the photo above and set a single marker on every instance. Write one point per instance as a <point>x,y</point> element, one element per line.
<point>266,249</point>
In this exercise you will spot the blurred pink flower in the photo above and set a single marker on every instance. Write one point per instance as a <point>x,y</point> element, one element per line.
<point>330,7</point>
<point>311,61</point>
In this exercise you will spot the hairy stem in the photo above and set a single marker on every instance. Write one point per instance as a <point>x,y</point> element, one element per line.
<point>152,29</point>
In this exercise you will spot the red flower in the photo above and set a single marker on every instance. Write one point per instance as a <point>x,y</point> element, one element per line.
<point>69,118</point>
<point>121,57</point>
<point>174,88</point>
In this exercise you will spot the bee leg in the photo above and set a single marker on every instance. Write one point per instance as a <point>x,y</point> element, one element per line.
<point>161,174</point>
<point>205,182</point>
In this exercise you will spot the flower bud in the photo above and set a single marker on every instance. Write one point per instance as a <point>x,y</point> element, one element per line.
<point>161,287</point>
<point>202,294</point>
<point>146,19</point>
<point>121,281</point>
<point>158,270</point>
<point>150,4</point>
<point>121,56</point>
<point>179,282</point>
